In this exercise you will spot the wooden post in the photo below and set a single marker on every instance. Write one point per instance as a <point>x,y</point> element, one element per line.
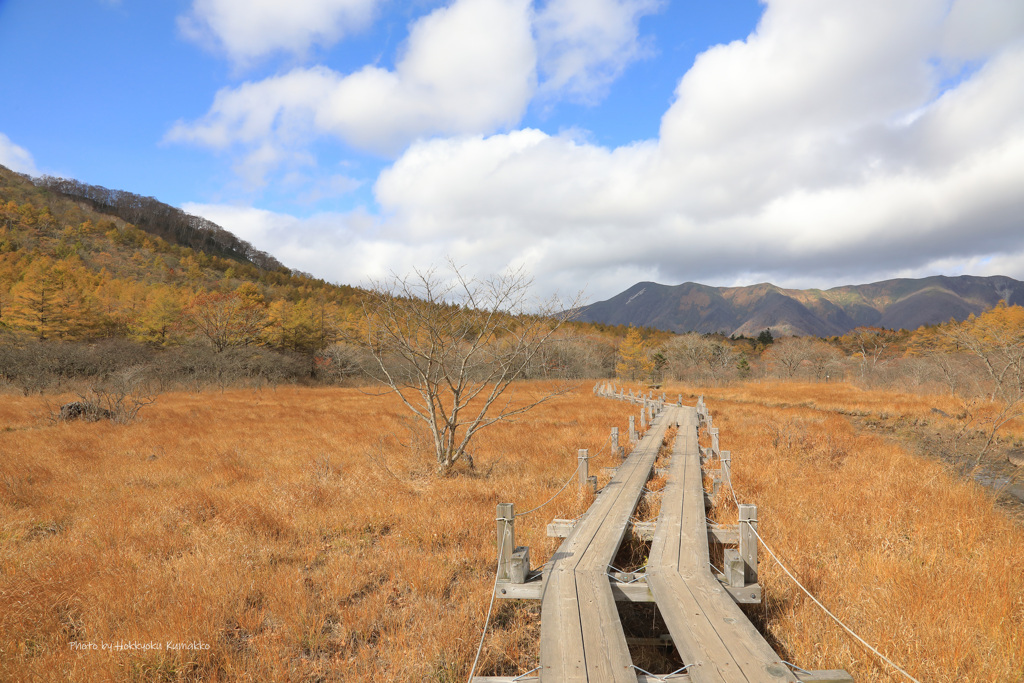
<point>680,400</point>
<point>506,519</point>
<point>615,441</point>
<point>726,459</point>
<point>714,440</point>
<point>584,468</point>
<point>632,429</point>
<point>650,411</point>
<point>748,541</point>
<point>643,415</point>
<point>734,574</point>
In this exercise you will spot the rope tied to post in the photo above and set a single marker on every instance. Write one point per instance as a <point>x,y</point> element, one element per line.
<point>752,524</point>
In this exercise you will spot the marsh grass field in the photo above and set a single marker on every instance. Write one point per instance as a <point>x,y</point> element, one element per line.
<point>302,534</point>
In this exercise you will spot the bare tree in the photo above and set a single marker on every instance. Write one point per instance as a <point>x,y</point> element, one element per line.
<point>786,355</point>
<point>450,347</point>
<point>699,358</point>
<point>996,340</point>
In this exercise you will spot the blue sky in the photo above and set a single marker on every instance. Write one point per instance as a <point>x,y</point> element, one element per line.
<point>594,142</point>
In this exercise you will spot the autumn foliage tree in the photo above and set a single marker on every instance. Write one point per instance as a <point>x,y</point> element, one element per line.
<point>634,362</point>
<point>228,319</point>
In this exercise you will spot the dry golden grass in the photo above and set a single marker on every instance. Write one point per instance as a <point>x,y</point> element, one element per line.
<point>848,399</point>
<point>920,563</point>
<point>299,533</point>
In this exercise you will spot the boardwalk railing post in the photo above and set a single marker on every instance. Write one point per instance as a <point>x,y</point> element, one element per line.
<point>506,520</point>
<point>714,440</point>
<point>632,429</point>
<point>650,411</point>
<point>615,441</point>
<point>583,456</point>
<point>748,541</point>
<point>726,459</point>
<point>643,415</point>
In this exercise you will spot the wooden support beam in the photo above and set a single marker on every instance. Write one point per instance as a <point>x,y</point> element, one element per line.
<point>615,442</point>
<point>639,591</point>
<point>802,676</point>
<point>827,676</point>
<point>632,429</point>
<point>643,414</point>
<point>734,574</point>
<point>519,566</point>
<point>723,534</point>
<point>726,459</point>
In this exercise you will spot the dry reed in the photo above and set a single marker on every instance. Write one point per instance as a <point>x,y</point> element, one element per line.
<point>297,534</point>
<point>919,562</point>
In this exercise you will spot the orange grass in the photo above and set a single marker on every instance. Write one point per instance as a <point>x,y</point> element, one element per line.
<point>848,399</point>
<point>920,563</point>
<point>299,533</point>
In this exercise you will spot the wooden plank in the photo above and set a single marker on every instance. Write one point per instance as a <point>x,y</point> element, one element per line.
<point>581,637</point>
<point>707,627</point>
<point>827,676</point>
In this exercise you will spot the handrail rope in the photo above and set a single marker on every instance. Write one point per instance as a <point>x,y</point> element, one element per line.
<point>567,482</point>
<point>494,591</point>
<point>836,619</point>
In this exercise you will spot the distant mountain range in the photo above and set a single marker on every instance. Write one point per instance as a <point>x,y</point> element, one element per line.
<point>895,304</point>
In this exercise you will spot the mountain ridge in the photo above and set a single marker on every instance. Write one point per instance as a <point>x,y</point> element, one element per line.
<point>899,303</point>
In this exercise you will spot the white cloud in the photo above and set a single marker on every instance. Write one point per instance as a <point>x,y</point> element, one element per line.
<point>16,158</point>
<point>584,45</point>
<point>975,28</point>
<point>249,29</point>
<point>791,156</point>
<point>467,68</point>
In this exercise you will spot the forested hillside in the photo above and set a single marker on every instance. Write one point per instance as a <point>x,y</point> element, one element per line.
<point>93,279</point>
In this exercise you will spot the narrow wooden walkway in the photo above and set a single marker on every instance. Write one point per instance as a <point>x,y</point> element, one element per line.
<point>710,632</point>
<point>581,635</point>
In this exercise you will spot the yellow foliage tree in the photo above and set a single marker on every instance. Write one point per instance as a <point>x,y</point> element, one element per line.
<point>634,362</point>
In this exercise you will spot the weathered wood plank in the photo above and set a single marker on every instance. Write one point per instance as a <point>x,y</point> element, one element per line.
<point>707,627</point>
<point>581,637</point>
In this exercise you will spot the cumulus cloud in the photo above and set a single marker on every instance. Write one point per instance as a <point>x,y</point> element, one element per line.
<point>248,29</point>
<point>466,68</point>
<point>824,149</point>
<point>584,45</point>
<point>16,158</point>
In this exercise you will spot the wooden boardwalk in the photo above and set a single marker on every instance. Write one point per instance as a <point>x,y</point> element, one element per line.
<point>581,635</point>
<point>710,632</point>
<point>582,638</point>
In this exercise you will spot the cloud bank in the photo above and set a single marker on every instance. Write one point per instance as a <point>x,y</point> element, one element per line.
<point>837,143</point>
